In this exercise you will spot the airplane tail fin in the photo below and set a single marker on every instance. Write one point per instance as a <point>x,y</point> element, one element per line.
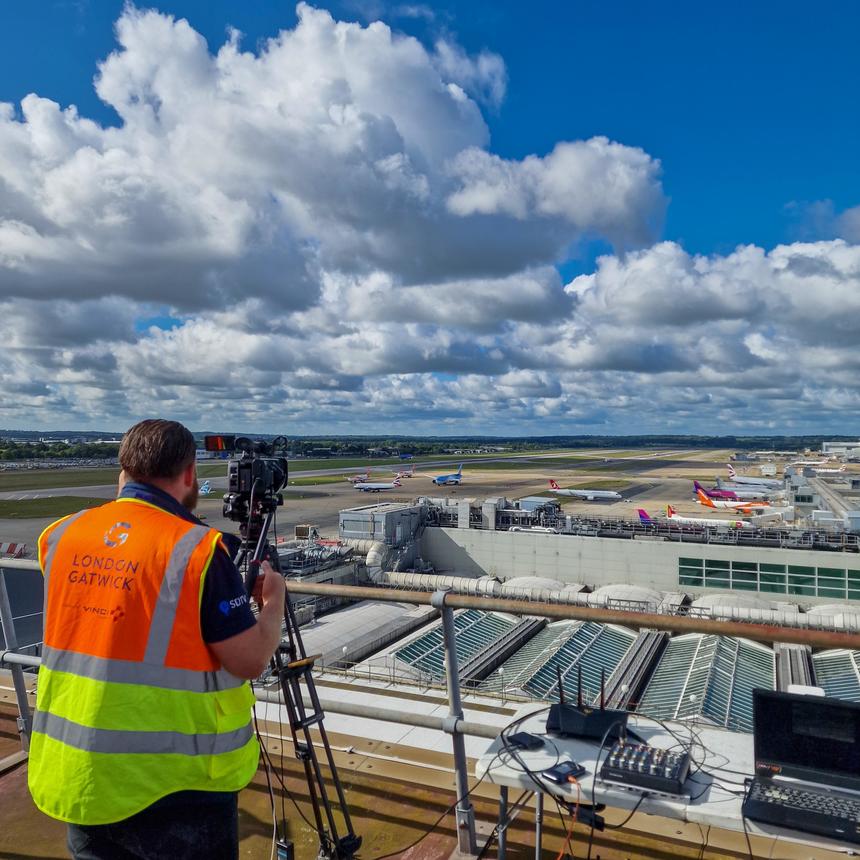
<point>732,473</point>
<point>553,484</point>
<point>704,498</point>
<point>459,470</point>
<point>670,511</point>
<point>643,516</point>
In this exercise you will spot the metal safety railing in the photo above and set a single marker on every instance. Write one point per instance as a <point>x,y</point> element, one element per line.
<point>446,602</point>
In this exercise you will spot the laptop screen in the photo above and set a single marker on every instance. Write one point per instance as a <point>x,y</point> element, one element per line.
<point>808,737</point>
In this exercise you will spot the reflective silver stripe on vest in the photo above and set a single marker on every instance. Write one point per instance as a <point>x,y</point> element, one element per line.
<point>53,541</point>
<point>132,672</point>
<point>152,743</point>
<point>168,597</point>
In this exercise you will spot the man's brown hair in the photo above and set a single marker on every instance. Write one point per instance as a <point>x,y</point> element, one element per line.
<point>156,448</point>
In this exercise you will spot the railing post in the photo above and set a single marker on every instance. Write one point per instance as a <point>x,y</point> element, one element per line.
<point>503,822</point>
<point>538,824</point>
<point>25,721</point>
<point>466,841</point>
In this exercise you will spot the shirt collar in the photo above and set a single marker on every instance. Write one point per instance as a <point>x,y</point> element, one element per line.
<point>156,496</point>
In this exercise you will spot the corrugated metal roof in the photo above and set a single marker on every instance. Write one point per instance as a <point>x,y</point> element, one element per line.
<point>837,672</point>
<point>475,630</point>
<point>568,646</point>
<point>711,678</point>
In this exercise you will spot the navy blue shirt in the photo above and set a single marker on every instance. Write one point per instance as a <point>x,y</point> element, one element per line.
<point>224,608</point>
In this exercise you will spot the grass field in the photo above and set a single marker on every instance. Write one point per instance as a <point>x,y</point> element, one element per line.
<point>57,506</point>
<point>546,464</point>
<point>601,484</point>
<point>35,480</point>
<point>215,470</point>
<point>320,479</point>
<point>372,463</point>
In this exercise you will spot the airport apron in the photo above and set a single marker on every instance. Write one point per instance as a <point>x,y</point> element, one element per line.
<point>131,704</point>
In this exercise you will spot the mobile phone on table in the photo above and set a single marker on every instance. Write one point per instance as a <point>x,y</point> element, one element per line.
<point>564,772</point>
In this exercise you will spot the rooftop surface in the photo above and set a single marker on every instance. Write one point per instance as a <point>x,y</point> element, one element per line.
<point>395,793</point>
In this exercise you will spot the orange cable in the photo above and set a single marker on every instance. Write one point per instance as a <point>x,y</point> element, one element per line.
<point>569,833</point>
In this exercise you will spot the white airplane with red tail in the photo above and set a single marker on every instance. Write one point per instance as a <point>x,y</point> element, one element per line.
<point>588,495</point>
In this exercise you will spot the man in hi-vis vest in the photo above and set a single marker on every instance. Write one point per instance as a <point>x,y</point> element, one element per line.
<point>143,732</point>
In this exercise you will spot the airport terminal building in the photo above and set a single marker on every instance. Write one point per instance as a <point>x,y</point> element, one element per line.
<point>800,575</point>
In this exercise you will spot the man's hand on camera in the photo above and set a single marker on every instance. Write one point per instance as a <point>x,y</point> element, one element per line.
<point>269,587</point>
<point>246,654</point>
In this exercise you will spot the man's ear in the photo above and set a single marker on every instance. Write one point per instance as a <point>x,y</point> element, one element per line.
<point>189,475</point>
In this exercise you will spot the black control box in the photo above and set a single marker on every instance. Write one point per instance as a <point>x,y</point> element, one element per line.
<point>647,767</point>
<point>583,722</point>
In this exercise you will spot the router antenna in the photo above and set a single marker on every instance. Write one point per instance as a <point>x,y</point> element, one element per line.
<point>560,687</point>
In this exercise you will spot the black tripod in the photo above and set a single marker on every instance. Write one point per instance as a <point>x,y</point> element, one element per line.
<point>293,668</point>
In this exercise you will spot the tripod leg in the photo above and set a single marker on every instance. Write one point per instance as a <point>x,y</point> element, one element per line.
<point>302,753</point>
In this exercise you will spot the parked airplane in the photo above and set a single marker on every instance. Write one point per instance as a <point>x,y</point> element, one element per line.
<point>205,489</point>
<point>376,487</point>
<point>742,492</point>
<point>701,521</point>
<point>588,495</point>
<point>741,507</point>
<point>734,493</point>
<point>456,478</point>
<point>357,479</point>
<point>735,478</point>
<point>737,496</point>
<point>694,521</point>
<point>838,471</point>
<point>404,473</point>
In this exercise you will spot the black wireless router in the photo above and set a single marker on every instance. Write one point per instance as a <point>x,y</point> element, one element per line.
<point>582,721</point>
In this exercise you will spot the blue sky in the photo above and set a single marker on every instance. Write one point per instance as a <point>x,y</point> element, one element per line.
<point>751,107</point>
<point>423,277</point>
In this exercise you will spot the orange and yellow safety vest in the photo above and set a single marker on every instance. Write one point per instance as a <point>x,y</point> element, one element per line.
<point>131,705</point>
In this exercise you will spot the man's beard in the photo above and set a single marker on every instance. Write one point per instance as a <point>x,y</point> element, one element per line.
<point>189,500</point>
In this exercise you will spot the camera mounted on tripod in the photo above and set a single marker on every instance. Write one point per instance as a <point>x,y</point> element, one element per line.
<point>256,471</point>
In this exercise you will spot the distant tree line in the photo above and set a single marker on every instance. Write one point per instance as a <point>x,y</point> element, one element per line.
<point>366,446</point>
<point>56,451</point>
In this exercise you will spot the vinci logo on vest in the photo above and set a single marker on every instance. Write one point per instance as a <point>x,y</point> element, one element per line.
<point>117,534</point>
<point>227,606</point>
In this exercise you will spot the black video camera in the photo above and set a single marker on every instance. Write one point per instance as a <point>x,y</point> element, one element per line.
<point>256,472</point>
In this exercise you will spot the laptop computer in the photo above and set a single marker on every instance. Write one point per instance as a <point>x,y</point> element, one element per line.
<point>807,760</point>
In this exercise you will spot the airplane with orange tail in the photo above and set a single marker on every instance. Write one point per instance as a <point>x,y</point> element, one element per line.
<point>673,517</point>
<point>741,507</point>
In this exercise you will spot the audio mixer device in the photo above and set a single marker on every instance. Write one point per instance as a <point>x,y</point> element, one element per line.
<point>582,721</point>
<point>643,766</point>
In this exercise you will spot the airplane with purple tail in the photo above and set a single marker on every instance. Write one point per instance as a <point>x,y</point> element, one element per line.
<point>737,495</point>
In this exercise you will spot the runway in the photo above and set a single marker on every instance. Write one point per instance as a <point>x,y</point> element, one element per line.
<point>655,479</point>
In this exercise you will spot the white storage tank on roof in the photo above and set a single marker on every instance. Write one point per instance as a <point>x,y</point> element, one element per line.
<point>527,582</point>
<point>711,602</point>
<point>828,609</point>
<point>627,593</point>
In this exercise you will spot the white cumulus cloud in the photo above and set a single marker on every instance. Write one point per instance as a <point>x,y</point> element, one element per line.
<point>317,234</point>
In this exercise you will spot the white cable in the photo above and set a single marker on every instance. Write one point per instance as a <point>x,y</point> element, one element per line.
<point>274,832</point>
